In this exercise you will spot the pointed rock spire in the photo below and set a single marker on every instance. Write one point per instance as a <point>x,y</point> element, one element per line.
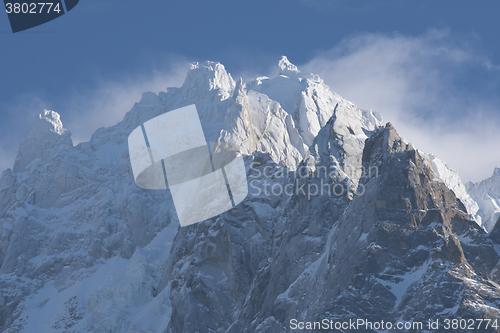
<point>496,172</point>
<point>287,67</point>
<point>47,133</point>
<point>208,78</point>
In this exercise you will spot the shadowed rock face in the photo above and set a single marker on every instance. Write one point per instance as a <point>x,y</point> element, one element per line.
<point>421,256</point>
<point>403,250</point>
<point>495,233</point>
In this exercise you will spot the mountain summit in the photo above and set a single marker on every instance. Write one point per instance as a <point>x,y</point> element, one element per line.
<point>47,134</point>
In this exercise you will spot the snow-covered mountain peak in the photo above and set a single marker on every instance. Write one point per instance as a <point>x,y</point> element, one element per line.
<point>208,77</point>
<point>289,71</point>
<point>496,172</point>
<point>311,103</point>
<point>286,66</point>
<point>48,121</point>
<point>47,134</point>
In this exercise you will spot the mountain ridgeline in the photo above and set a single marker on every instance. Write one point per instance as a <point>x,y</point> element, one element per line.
<point>344,221</point>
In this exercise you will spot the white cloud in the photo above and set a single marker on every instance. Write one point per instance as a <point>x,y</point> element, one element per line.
<point>420,85</point>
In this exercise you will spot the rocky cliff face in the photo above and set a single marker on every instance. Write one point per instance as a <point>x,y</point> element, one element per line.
<point>404,250</point>
<point>344,220</point>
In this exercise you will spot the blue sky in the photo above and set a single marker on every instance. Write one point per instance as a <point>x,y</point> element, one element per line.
<point>430,67</point>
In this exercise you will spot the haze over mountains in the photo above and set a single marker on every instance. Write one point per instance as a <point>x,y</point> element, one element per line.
<point>83,249</point>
